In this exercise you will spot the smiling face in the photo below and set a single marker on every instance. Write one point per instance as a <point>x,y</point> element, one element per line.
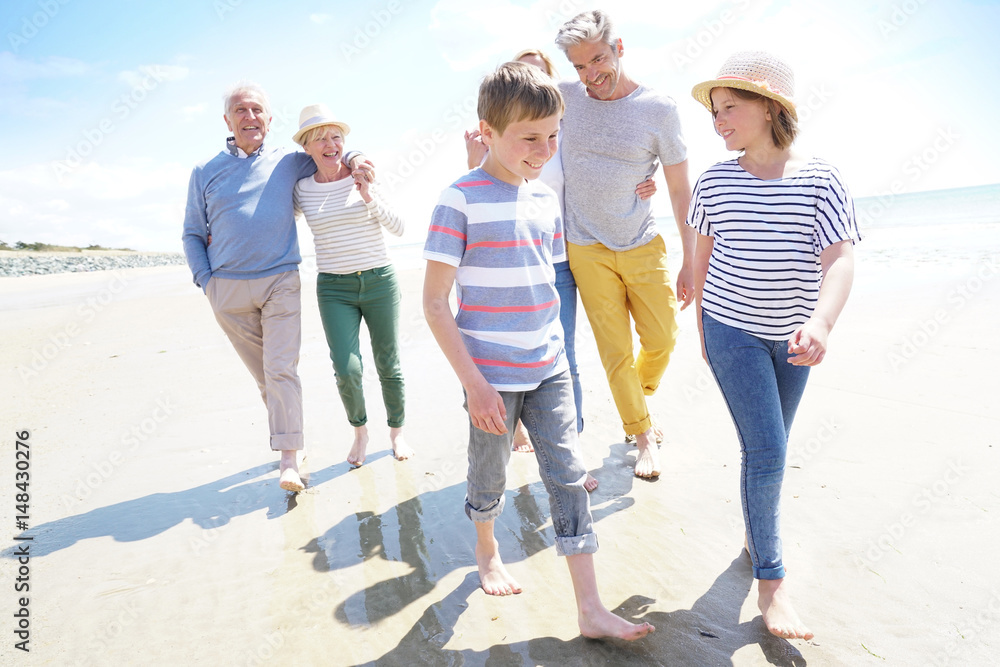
<point>326,147</point>
<point>521,150</point>
<point>248,119</point>
<point>743,124</point>
<point>599,67</point>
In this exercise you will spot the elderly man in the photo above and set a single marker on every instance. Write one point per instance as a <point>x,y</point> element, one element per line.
<point>614,133</point>
<point>242,247</point>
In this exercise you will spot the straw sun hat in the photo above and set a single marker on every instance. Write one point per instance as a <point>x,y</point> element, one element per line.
<point>315,115</point>
<point>755,71</point>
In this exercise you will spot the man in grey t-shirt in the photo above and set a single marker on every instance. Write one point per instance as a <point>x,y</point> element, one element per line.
<point>615,133</point>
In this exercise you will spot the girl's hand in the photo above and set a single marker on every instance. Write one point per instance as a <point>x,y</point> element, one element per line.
<point>475,148</point>
<point>808,343</point>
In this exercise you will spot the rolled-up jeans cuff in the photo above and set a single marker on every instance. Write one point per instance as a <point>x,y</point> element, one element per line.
<point>769,572</point>
<point>286,441</point>
<point>489,514</point>
<point>576,545</point>
<point>638,427</point>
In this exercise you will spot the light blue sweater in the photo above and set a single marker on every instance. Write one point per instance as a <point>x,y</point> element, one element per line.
<point>246,206</point>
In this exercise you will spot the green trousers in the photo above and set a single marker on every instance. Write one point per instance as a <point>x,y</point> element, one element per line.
<point>344,300</point>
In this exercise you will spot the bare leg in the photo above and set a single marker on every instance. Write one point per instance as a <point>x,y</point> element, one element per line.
<point>776,608</point>
<point>647,463</point>
<point>357,454</point>
<point>492,574</point>
<point>400,449</point>
<point>594,618</point>
<point>522,443</point>
<point>289,467</point>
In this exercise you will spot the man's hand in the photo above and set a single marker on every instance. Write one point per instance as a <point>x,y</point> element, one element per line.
<point>362,169</point>
<point>685,285</point>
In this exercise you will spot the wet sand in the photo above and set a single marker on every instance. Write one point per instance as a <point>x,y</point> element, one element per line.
<point>161,536</point>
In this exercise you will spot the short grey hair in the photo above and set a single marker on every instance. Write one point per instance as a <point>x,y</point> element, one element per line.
<point>245,87</point>
<point>587,27</point>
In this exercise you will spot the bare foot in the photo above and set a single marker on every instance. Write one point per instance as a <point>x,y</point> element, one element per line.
<point>590,483</point>
<point>289,467</point>
<point>601,623</point>
<point>522,443</point>
<point>657,432</point>
<point>357,454</point>
<point>400,449</point>
<point>647,463</point>
<point>776,608</point>
<point>492,574</point>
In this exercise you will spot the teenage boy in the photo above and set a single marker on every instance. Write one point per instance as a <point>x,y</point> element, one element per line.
<point>494,234</point>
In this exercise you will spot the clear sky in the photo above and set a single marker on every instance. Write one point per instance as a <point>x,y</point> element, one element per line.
<point>105,106</point>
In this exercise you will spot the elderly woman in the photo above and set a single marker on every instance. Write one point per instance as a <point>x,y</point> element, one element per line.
<point>355,278</point>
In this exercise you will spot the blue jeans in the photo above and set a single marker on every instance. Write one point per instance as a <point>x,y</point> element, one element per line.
<point>566,287</point>
<point>547,413</point>
<point>762,391</point>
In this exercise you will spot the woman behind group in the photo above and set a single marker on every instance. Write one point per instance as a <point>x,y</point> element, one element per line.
<point>773,269</point>
<point>552,176</point>
<point>356,279</point>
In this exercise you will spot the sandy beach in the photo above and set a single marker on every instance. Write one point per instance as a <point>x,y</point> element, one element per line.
<point>160,535</point>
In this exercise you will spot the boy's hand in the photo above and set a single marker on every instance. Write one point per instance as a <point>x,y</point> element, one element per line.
<point>486,409</point>
<point>646,189</point>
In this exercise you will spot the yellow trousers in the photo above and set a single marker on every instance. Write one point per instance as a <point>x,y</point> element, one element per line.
<point>612,286</point>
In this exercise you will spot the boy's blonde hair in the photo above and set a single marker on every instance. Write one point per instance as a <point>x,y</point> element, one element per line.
<point>516,92</point>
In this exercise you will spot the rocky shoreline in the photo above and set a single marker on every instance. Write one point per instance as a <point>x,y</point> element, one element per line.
<point>15,264</point>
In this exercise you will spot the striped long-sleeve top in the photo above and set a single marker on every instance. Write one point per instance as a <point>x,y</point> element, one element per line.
<point>764,273</point>
<point>503,240</point>
<point>346,230</point>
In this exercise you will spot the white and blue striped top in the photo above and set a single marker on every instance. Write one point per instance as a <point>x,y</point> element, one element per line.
<point>764,273</point>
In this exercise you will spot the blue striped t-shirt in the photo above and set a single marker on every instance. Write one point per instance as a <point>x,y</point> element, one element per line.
<point>764,273</point>
<point>503,240</point>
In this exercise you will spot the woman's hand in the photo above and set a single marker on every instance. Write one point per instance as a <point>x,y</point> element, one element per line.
<point>475,147</point>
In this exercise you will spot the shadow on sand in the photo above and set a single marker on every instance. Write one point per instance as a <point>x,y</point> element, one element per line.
<point>209,506</point>
<point>709,633</point>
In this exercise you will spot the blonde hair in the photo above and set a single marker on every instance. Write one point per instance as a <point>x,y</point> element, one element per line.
<point>516,92</point>
<point>319,131</point>
<point>550,67</point>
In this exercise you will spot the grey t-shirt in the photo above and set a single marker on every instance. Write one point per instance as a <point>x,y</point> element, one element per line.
<point>608,148</point>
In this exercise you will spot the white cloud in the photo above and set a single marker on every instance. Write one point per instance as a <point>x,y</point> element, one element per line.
<point>133,203</point>
<point>320,18</point>
<point>193,112</point>
<point>14,68</point>
<point>146,75</point>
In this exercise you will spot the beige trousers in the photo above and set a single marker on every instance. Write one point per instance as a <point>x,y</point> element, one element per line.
<point>262,318</point>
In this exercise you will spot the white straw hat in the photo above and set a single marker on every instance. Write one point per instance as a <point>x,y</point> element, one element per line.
<point>315,115</point>
<point>755,71</point>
